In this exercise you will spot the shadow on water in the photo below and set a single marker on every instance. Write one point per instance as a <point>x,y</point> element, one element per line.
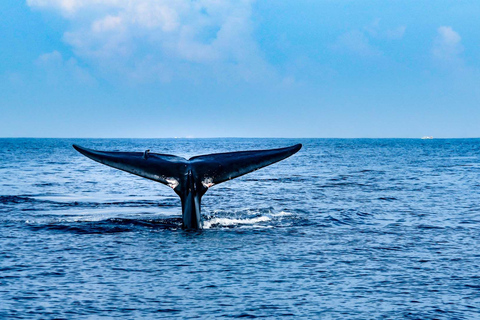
<point>222,220</point>
<point>112,225</point>
<point>107,217</point>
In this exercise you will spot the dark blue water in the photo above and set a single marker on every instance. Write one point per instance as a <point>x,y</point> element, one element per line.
<point>358,229</point>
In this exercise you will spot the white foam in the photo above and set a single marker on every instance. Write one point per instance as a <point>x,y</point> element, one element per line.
<point>229,222</point>
<point>281,214</point>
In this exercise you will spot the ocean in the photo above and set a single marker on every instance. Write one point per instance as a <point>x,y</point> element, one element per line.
<point>344,229</point>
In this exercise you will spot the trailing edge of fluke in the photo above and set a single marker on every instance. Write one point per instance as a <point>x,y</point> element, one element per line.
<point>191,178</point>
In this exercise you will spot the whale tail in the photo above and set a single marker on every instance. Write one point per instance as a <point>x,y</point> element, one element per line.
<point>191,178</point>
<point>163,168</point>
<point>169,169</point>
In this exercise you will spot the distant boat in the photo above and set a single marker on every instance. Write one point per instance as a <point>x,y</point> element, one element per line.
<point>427,137</point>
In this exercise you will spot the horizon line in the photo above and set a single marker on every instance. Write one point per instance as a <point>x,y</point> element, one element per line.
<point>192,138</point>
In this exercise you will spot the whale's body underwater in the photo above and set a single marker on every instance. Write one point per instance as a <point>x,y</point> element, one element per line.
<point>191,178</point>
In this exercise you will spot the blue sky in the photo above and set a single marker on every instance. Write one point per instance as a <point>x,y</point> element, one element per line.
<point>207,68</point>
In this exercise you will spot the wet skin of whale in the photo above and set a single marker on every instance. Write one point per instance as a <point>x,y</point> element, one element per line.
<point>191,178</point>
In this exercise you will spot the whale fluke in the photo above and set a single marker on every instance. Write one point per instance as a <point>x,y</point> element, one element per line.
<point>163,168</point>
<point>220,167</point>
<point>191,178</point>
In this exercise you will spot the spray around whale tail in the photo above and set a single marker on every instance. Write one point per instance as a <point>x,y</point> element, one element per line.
<point>191,178</point>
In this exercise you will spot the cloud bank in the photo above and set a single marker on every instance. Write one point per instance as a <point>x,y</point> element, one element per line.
<point>161,39</point>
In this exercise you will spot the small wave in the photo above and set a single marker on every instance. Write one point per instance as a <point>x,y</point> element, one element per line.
<point>281,214</point>
<point>428,226</point>
<point>387,198</point>
<point>47,184</point>
<point>15,199</point>
<point>338,222</point>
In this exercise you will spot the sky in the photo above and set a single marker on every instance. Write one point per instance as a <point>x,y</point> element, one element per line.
<point>240,68</point>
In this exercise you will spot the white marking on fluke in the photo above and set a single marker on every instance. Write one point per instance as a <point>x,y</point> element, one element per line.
<point>208,182</point>
<point>172,182</point>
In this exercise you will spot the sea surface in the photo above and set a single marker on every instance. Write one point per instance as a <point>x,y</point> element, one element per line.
<point>344,229</point>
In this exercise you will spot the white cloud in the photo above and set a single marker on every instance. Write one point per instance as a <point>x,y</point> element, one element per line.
<point>375,30</point>
<point>396,33</point>
<point>124,35</point>
<point>109,23</point>
<point>71,7</point>
<point>59,70</point>
<point>356,42</point>
<point>447,45</point>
